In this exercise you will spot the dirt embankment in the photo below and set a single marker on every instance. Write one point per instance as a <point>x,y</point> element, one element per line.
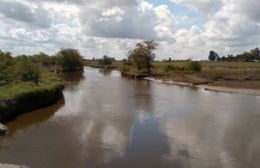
<point>206,87</point>
<point>11,108</point>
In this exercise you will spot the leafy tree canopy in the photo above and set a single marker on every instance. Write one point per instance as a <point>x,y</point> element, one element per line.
<point>142,55</point>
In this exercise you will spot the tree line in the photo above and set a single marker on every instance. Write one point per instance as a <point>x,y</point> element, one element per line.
<point>251,56</point>
<point>28,67</point>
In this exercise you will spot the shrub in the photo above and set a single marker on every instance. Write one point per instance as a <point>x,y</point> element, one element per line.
<point>194,66</point>
<point>27,71</point>
<point>106,60</point>
<point>43,59</point>
<point>6,67</point>
<point>124,69</point>
<point>70,59</point>
<point>171,67</point>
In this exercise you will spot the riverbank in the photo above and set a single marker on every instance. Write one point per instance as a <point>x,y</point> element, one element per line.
<point>232,77</point>
<point>205,87</point>
<point>23,97</point>
<point>236,75</point>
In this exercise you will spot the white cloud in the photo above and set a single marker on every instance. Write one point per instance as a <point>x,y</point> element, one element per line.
<point>143,21</point>
<point>23,12</point>
<point>113,27</point>
<point>231,25</point>
<point>231,28</point>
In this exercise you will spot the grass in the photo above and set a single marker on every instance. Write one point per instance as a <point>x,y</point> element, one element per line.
<point>231,74</point>
<point>95,64</point>
<point>47,82</point>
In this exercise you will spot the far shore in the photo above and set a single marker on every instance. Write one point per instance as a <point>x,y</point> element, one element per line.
<point>165,80</point>
<point>231,77</point>
<point>254,92</point>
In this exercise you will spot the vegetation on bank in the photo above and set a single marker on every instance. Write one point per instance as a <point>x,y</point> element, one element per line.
<point>69,60</point>
<point>14,70</point>
<point>141,63</point>
<point>242,73</point>
<point>105,62</point>
<point>142,56</point>
<point>248,56</point>
<point>233,74</point>
<point>46,82</point>
<point>230,74</point>
<point>29,82</point>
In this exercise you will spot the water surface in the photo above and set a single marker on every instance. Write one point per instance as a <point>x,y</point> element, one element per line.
<point>108,121</point>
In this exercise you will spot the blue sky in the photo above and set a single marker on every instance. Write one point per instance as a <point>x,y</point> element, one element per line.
<point>181,11</point>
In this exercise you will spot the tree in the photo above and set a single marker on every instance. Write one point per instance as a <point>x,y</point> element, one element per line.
<point>70,59</point>
<point>194,66</point>
<point>106,60</point>
<point>142,56</point>
<point>256,53</point>
<point>42,59</point>
<point>27,71</point>
<point>213,56</point>
<point>6,67</point>
<point>252,55</point>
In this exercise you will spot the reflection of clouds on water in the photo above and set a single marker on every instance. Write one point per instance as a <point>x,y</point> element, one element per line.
<point>105,121</point>
<point>112,138</point>
<point>104,138</point>
<point>215,133</point>
<point>109,121</point>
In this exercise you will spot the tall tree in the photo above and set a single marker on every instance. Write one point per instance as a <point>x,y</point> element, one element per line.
<point>213,56</point>
<point>70,59</point>
<point>142,55</point>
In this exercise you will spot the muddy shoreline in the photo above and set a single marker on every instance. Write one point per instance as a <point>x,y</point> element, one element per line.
<point>11,108</point>
<point>254,92</point>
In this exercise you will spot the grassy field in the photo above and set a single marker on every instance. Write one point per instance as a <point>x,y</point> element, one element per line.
<point>21,97</point>
<point>46,82</point>
<point>230,74</point>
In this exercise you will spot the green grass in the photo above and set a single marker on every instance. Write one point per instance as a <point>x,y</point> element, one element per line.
<point>233,74</point>
<point>234,65</point>
<point>210,64</point>
<point>47,82</point>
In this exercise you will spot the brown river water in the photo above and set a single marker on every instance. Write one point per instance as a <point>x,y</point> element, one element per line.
<point>107,121</point>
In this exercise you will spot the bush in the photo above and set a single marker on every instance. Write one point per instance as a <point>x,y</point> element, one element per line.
<point>6,67</point>
<point>171,67</point>
<point>27,71</point>
<point>194,66</point>
<point>124,69</point>
<point>70,59</point>
<point>43,59</point>
<point>106,60</point>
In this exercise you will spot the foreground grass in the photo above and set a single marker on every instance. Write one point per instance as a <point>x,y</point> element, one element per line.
<point>47,82</point>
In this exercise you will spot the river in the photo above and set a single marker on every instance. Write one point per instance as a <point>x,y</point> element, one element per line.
<point>109,121</point>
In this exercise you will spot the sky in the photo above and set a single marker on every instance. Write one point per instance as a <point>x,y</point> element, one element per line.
<point>183,28</point>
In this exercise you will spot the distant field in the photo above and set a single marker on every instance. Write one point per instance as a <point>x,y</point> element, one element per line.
<point>231,74</point>
<point>210,64</point>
